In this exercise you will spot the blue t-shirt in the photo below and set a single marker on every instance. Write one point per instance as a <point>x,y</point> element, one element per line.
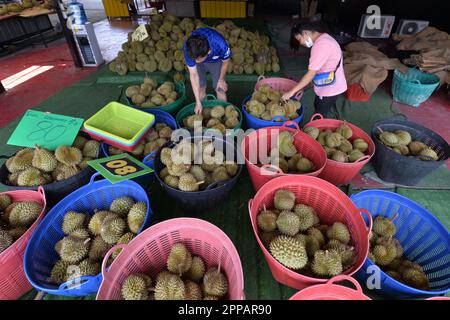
<point>217,43</point>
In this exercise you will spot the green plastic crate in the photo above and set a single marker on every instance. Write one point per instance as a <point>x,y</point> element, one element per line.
<point>120,123</point>
<point>210,101</point>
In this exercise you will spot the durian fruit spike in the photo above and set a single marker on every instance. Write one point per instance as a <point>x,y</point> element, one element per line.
<point>267,221</point>
<point>122,205</point>
<point>179,260</point>
<point>44,160</point>
<point>136,216</point>
<point>340,232</point>
<point>170,287</point>
<point>112,229</point>
<point>73,221</point>
<point>327,263</point>
<point>384,253</point>
<point>58,274</point>
<point>288,223</point>
<point>215,283</point>
<point>5,240</point>
<point>134,287</point>
<point>5,201</point>
<point>307,216</point>
<point>289,251</point>
<point>95,224</point>
<point>284,200</point>
<point>25,213</point>
<point>91,149</point>
<point>197,269</point>
<point>98,248</point>
<point>31,177</point>
<point>385,227</point>
<point>193,290</point>
<point>69,156</point>
<point>74,250</point>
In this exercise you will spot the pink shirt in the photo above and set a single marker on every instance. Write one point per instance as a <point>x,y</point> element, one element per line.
<point>325,56</point>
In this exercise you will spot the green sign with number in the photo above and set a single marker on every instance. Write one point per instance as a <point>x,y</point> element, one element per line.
<point>120,167</point>
<point>47,130</point>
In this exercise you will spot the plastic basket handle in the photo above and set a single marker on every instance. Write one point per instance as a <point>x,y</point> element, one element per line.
<point>260,78</point>
<point>316,116</point>
<point>82,280</point>
<point>95,175</point>
<point>150,156</point>
<point>369,217</point>
<point>108,254</point>
<point>250,205</point>
<point>279,117</point>
<point>271,168</point>
<point>210,96</point>
<point>291,123</point>
<point>299,95</point>
<point>416,81</point>
<point>215,184</point>
<point>344,277</point>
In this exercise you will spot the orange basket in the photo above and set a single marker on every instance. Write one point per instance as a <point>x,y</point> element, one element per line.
<point>330,204</point>
<point>356,93</point>
<point>337,172</point>
<point>261,141</point>
<point>331,291</point>
<point>13,282</point>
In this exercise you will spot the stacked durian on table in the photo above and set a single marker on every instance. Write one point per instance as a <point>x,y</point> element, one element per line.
<point>294,235</point>
<point>151,95</point>
<point>217,118</point>
<point>163,49</point>
<point>401,142</point>
<point>89,237</point>
<point>266,104</point>
<point>15,219</point>
<point>387,252</point>
<point>186,277</point>
<point>340,145</point>
<point>37,166</point>
<point>181,172</point>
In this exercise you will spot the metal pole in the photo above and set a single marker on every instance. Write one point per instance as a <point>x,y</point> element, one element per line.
<point>68,35</point>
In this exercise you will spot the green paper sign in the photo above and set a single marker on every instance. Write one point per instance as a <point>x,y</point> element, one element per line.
<point>47,130</point>
<point>120,167</point>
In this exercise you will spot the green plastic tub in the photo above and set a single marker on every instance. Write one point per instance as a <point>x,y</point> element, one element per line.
<point>210,101</point>
<point>172,108</point>
<point>119,124</point>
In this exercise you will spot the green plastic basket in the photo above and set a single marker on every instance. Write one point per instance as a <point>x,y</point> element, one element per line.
<point>414,87</point>
<point>210,101</point>
<point>172,108</point>
<point>116,122</point>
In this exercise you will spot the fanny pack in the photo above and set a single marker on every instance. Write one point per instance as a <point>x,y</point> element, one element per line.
<point>326,78</point>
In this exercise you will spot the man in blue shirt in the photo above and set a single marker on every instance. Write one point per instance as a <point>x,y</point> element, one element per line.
<point>206,50</point>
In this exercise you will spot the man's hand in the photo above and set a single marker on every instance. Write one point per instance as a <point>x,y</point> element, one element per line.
<point>198,108</point>
<point>222,85</point>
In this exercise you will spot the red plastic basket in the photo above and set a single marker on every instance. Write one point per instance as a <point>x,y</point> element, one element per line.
<point>280,84</point>
<point>148,253</point>
<point>356,93</point>
<point>337,172</point>
<point>331,291</point>
<point>13,282</point>
<point>331,205</point>
<point>262,139</point>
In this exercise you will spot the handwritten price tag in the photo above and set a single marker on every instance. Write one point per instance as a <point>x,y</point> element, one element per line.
<point>46,130</point>
<point>120,167</point>
<point>140,33</point>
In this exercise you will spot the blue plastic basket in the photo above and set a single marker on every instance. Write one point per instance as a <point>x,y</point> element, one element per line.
<point>413,87</point>
<point>256,123</point>
<point>424,239</point>
<point>40,255</point>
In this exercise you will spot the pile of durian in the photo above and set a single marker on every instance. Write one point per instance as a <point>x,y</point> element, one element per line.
<point>32,167</point>
<point>15,219</point>
<point>387,252</point>
<point>287,157</point>
<point>15,7</point>
<point>181,172</point>
<point>151,95</point>
<point>266,104</point>
<point>89,237</point>
<point>186,278</point>
<point>154,140</point>
<point>163,49</point>
<point>218,118</point>
<point>401,142</point>
<point>339,144</point>
<point>295,237</point>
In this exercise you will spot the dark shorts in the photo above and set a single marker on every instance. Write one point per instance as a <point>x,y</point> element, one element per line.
<point>326,106</point>
<point>213,68</point>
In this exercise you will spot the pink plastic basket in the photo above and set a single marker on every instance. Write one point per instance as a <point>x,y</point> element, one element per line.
<point>304,144</point>
<point>331,205</point>
<point>331,291</point>
<point>13,282</point>
<point>148,253</point>
<point>336,172</point>
<point>280,84</point>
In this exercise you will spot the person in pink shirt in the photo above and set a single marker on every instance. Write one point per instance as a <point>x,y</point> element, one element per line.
<point>325,69</point>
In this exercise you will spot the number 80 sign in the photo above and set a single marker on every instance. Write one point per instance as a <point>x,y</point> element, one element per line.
<point>120,167</point>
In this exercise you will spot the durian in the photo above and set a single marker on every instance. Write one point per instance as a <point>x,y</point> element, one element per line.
<point>188,183</point>
<point>30,177</point>
<point>215,283</point>
<point>384,227</point>
<point>23,214</point>
<point>5,201</point>
<point>58,274</point>
<point>327,263</point>
<point>170,287</point>
<point>179,260</point>
<point>136,216</point>
<point>69,156</point>
<point>289,252</point>
<point>384,254</point>
<point>284,200</point>
<point>112,229</point>
<point>21,161</point>
<point>5,240</point>
<point>44,160</point>
<point>73,221</point>
<point>74,250</point>
<point>17,232</point>
<point>122,205</point>
<point>193,290</point>
<point>197,269</point>
<point>307,216</point>
<point>85,268</point>
<point>288,223</point>
<point>95,224</point>
<point>267,221</point>
<point>134,287</point>
<point>125,239</point>
<point>360,144</point>
<point>98,248</point>
<point>91,149</point>
<point>339,231</point>
<point>345,131</point>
